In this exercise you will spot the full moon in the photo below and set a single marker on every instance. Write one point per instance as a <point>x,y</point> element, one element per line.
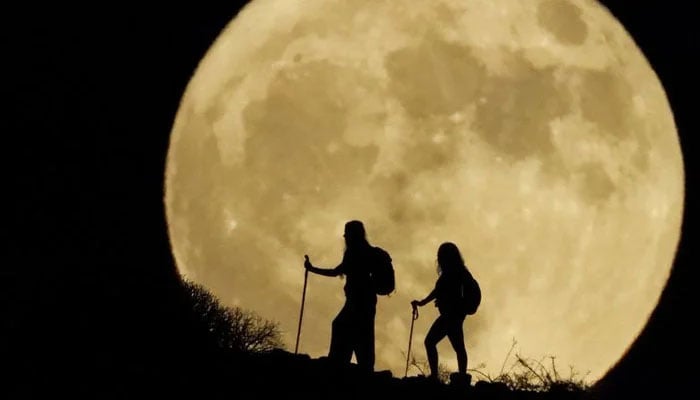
<point>533,134</point>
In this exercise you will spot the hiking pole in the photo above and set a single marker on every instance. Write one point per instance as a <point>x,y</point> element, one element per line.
<point>414,317</point>
<point>301,312</point>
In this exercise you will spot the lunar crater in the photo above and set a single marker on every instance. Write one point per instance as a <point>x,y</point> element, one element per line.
<point>563,20</point>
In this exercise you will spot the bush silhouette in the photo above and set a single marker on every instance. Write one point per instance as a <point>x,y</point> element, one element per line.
<point>529,374</point>
<point>421,365</point>
<point>231,328</point>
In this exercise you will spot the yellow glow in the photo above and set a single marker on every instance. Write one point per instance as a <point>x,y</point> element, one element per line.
<point>533,134</point>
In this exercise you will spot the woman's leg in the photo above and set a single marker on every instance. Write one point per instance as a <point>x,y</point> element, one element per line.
<point>341,347</point>
<point>455,334</point>
<point>435,334</point>
<point>364,339</point>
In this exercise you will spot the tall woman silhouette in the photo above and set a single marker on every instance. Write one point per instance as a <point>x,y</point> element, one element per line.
<point>447,295</point>
<point>353,328</point>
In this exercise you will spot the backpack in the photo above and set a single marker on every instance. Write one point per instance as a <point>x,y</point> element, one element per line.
<point>471,295</point>
<point>383,278</point>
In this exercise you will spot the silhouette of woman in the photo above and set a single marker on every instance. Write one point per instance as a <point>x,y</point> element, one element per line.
<point>447,294</point>
<point>353,328</point>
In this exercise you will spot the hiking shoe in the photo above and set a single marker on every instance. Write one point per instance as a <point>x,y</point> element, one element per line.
<point>461,380</point>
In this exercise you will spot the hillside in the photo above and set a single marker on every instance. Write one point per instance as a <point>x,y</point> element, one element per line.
<point>279,372</point>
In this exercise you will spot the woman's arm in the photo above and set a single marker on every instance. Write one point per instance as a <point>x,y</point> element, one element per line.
<point>425,301</point>
<point>321,271</point>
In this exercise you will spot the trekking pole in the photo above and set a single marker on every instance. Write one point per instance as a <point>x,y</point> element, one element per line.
<point>301,313</point>
<point>414,317</point>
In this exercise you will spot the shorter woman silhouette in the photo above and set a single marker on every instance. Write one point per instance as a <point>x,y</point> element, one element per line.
<point>447,295</point>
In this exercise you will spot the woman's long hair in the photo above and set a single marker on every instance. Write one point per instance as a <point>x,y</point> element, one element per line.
<point>355,238</point>
<point>449,259</point>
<point>355,235</point>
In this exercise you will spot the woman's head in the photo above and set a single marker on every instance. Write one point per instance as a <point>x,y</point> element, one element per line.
<point>355,234</point>
<point>449,258</point>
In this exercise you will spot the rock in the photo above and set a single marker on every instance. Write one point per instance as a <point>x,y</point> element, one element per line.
<point>491,390</point>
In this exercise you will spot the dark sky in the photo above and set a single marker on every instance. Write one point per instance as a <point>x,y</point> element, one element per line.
<point>93,93</point>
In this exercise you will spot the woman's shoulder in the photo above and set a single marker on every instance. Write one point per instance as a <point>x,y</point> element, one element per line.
<point>449,279</point>
<point>451,275</point>
<point>444,280</point>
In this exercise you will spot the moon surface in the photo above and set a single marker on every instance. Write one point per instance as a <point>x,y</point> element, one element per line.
<point>533,134</point>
